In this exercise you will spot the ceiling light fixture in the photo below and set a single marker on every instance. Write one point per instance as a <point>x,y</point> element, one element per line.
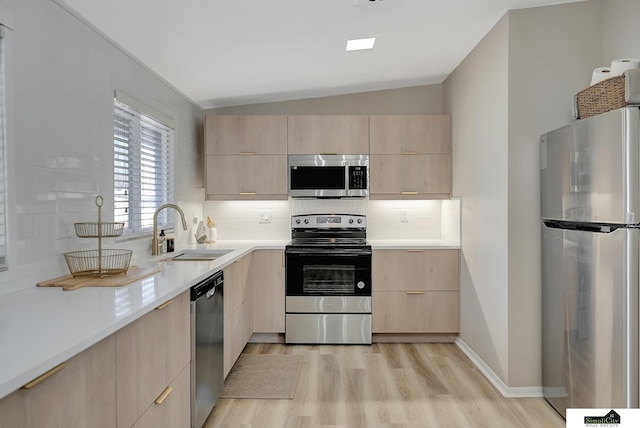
<point>360,44</point>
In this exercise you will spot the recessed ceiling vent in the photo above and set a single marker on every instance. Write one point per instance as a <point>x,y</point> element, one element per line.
<point>368,2</point>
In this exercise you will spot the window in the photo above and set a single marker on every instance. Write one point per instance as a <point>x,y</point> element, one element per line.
<point>143,146</point>
<point>3,166</point>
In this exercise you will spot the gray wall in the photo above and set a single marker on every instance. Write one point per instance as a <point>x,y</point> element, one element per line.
<point>551,52</point>
<point>621,39</point>
<point>62,79</point>
<point>476,96</point>
<point>426,99</point>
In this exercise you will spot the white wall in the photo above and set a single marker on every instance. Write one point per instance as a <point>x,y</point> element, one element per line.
<point>63,76</point>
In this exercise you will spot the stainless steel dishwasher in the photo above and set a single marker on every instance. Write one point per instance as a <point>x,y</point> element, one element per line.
<point>207,330</point>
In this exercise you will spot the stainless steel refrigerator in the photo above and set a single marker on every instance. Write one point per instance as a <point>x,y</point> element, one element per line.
<point>590,209</point>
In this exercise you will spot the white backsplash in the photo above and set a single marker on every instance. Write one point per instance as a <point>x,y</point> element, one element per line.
<point>424,219</point>
<point>241,219</point>
<point>433,219</point>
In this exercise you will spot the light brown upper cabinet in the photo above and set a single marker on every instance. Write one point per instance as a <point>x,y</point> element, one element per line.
<point>245,135</point>
<point>328,134</point>
<point>410,134</point>
<point>410,157</point>
<point>237,177</point>
<point>245,157</point>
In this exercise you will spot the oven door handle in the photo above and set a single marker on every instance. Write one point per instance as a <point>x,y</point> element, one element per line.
<point>336,252</point>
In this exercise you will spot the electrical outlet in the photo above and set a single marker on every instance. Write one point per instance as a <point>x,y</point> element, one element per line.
<point>265,216</point>
<point>404,216</point>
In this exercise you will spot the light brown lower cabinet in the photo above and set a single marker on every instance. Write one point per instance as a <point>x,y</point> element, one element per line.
<point>415,291</point>
<point>268,291</point>
<point>81,394</point>
<point>150,353</point>
<point>238,310</point>
<point>172,407</point>
<point>237,331</point>
<point>415,312</point>
<point>117,382</point>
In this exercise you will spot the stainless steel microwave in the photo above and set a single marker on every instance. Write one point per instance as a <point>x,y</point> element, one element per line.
<point>328,176</point>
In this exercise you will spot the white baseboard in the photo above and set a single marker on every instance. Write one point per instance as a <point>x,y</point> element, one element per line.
<point>506,391</point>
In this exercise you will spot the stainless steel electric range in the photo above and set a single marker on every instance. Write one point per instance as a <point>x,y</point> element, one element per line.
<point>328,280</point>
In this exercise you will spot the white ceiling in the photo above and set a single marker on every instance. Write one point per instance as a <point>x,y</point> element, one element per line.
<point>235,52</point>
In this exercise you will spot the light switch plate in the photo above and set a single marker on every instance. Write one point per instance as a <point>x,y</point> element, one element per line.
<point>404,216</point>
<point>265,216</point>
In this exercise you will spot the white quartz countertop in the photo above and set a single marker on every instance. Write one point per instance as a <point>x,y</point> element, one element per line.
<point>41,327</point>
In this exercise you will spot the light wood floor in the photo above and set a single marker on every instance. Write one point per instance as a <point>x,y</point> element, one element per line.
<point>388,386</point>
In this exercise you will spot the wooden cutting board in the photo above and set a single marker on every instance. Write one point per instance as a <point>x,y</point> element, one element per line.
<point>69,283</point>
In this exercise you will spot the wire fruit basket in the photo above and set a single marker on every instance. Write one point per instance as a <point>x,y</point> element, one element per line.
<point>100,262</point>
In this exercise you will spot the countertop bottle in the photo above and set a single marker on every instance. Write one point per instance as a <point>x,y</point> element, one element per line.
<point>161,243</point>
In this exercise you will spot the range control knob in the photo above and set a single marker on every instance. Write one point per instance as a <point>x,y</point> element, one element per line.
<point>359,220</point>
<point>360,285</point>
<point>350,221</point>
<point>297,221</point>
<point>306,221</point>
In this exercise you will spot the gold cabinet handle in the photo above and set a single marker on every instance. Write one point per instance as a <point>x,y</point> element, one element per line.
<point>247,153</point>
<point>415,251</point>
<point>409,193</point>
<point>164,305</point>
<point>415,292</point>
<point>43,377</point>
<point>248,193</point>
<point>163,396</point>
<point>409,153</point>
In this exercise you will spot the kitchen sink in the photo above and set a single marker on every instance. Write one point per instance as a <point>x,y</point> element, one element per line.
<point>197,255</point>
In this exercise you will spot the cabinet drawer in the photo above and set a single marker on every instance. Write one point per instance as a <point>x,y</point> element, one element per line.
<point>415,312</point>
<point>172,408</point>
<point>150,352</point>
<point>410,270</point>
<point>81,394</point>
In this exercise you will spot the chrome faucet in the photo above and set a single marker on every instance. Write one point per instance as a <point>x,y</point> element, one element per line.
<point>155,250</point>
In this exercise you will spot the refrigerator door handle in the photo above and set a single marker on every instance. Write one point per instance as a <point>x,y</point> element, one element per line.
<point>585,227</point>
<point>633,317</point>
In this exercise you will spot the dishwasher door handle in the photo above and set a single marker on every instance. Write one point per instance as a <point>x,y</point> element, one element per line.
<point>211,292</point>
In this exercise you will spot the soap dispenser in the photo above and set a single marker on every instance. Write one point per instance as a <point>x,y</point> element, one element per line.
<point>161,240</point>
<point>212,232</point>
